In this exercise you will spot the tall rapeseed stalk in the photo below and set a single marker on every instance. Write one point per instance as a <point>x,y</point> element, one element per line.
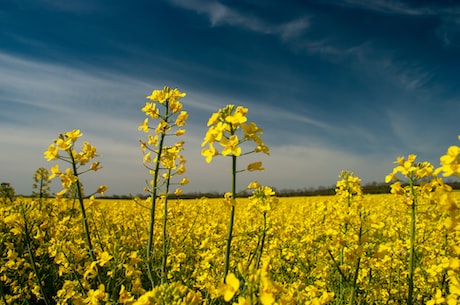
<point>164,161</point>
<point>225,128</point>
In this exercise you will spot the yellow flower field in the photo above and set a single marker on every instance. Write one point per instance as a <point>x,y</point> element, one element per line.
<point>299,262</point>
<point>350,248</point>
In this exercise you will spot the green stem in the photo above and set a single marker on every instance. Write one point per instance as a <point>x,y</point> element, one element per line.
<point>82,208</point>
<point>152,211</point>
<point>412,243</point>
<point>154,199</point>
<point>358,262</point>
<point>40,198</point>
<point>263,241</point>
<point>232,217</point>
<point>336,264</point>
<point>165,219</point>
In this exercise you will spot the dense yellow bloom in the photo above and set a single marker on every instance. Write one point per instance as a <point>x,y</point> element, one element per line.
<point>158,96</point>
<point>68,178</point>
<point>230,146</point>
<point>73,135</point>
<point>88,150</point>
<point>214,119</point>
<point>450,162</point>
<point>238,118</point>
<point>167,93</point>
<point>230,287</point>
<point>223,128</point>
<point>96,297</point>
<point>52,153</point>
<point>104,258</point>
<point>182,118</point>
<point>410,169</point>
<point>162,127</point>
<point>349,186</point>
<point>175,106</point>
<point>125,297</point>
<point>263,197</point>
<point>252,132</point>
<point>214,133</point>
<point>151,110</point>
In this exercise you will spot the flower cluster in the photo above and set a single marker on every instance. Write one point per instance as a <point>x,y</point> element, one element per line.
<point>64,149</point>
<point>450,162</point>
<point>412,171</point>
<point>165,109</point>
<point>263,198</point>
<point>223,129</point>
<point>349,186</point>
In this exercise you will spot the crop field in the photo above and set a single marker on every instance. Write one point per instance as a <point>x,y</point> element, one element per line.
<point>348,248</point>
<point>307,241</point>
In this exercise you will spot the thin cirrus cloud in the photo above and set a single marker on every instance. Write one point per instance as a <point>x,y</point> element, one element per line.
<point>220,14</point>
<point>400,7</point>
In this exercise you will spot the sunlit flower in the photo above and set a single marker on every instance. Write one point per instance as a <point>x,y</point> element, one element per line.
<point>52,153</point>
<point>230,287</point>
<point>231,146</point>
<point>144,126</point>
<point>151,110</point>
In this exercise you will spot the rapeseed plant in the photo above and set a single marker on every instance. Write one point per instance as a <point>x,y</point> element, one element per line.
<point>164,108</point>
<point>70,177</point>
<point>414,173</point>
<point>225,128</point>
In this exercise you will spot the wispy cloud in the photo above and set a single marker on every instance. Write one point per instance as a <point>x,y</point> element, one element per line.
<point>449,14</point>
<point>402,7</point>
<point>220,14</point>
<point>42,100</point>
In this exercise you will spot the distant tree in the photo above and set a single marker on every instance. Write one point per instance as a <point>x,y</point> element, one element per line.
<point>6,192</point>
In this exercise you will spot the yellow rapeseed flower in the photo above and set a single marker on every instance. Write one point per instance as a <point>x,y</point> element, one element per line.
<point>73,135</point>
<point>231,146</point>
<point>255,166</point>
<point>151,110</point>
<point>52,153</point>
<point>230,287</point>
<point>144,126</point>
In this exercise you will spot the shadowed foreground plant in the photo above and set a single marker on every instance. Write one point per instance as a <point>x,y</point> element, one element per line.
<point>164,161</point>
<point>229,129</point>
<point>70,177</point>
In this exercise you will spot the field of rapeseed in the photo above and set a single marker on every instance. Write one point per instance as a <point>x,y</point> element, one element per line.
<point>399,248</point>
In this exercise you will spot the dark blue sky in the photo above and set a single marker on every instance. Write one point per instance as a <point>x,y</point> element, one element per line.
<point>348,84</point>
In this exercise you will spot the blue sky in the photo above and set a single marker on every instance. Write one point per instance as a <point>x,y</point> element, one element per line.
<point>346,84</point>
